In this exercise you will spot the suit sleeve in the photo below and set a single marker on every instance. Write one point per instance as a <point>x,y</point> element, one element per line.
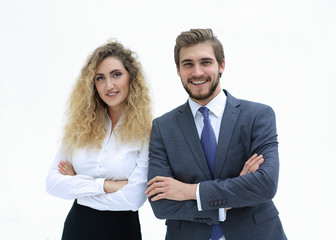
<point>168,209</point>
<point>253,188</point>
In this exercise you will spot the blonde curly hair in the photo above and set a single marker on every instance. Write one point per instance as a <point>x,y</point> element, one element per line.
<point>86,112</point>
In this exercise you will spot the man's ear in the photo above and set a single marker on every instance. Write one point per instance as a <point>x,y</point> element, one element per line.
<point>178,71</point>
<point>222,67</point>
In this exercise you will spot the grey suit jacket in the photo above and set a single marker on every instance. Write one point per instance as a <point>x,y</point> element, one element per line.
<point>175,151</point>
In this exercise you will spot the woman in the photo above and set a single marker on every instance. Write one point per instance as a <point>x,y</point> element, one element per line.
<point>102,162</point>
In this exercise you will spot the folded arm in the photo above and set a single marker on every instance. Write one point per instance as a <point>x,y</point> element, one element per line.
<point>72,185</point>
<point>110,186</point>
<point>253,186</point>
<point>129,197</point>
<point>62,181</point>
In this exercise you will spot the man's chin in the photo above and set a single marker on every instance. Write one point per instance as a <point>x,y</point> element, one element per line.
<point>200,97</point>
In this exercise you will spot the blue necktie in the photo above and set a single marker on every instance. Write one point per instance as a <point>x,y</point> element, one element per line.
<point>209,145</point>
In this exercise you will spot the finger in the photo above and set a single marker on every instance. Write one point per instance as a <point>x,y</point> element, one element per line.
<point>65,169</point>
<point>158,197</point>
<point>255,161</point>
<point>156,179</point>
<point>69,169</point>
<point>63,166</point>
<point>249,164</point>
<point>155,192</point>
<point>68,166</point>
<point>154,186</point>
<point>252,161</point>
<point>254,156</point>
<point>150,188</point>
<point>62,171</point>
<point>256,166</point>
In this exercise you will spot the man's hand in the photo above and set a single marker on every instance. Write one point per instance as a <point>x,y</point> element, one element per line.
<point>65,168</point>
<point>252,164</point>
<point>169,188</point>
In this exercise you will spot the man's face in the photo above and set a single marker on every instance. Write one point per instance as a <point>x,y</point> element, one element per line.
<point>199,72</point>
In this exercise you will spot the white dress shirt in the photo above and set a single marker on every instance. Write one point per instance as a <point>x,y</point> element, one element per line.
<point>114,161</point>
<point>216,109</point>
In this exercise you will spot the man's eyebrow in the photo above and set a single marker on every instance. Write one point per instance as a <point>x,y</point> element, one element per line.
<point>202,59</point>
<point>207,59</point>
<point>186,60</point>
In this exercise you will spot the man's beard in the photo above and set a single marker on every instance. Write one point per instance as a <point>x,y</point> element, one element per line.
<point>206,95</point>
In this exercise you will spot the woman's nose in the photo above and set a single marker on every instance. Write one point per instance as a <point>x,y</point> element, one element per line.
<point>109,83</point>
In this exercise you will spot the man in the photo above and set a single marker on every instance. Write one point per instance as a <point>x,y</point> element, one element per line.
<point>212,194</point>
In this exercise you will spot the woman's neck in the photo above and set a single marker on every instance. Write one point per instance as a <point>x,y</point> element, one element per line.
<point>114,115</point>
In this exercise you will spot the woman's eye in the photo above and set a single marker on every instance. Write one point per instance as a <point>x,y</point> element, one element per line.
<point>115,75</point>
<point>99,78</point>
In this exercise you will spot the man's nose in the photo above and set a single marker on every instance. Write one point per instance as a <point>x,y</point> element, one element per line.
<point>198,71</point>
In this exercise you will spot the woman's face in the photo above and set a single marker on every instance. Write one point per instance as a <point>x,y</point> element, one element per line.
<point>112,82</point>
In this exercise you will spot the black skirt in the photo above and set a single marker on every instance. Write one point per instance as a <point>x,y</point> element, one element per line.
<point>86,223</point>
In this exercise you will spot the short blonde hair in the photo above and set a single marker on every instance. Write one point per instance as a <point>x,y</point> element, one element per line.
<point>86,112</point>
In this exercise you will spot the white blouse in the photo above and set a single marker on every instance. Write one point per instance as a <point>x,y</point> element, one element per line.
<point>114,161</point>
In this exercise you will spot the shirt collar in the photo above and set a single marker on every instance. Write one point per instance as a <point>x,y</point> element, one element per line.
<point>216,105</point>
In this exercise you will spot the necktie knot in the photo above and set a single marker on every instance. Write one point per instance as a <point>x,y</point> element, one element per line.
<point>204,111</point>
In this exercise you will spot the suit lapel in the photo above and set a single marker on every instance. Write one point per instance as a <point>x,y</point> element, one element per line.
<point>189,131</point>
<point>228,123</point>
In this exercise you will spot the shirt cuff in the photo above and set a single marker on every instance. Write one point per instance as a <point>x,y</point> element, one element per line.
<point>198,199</point>
<point>221,211</point>
<point>100,184</point>
<point>222,214</point>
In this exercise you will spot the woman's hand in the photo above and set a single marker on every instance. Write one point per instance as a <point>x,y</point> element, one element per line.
<point>113,186</point>
<point>65,168</point>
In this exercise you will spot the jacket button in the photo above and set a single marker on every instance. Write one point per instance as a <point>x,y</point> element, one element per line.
<point>224,202</point>
<point>211,204</point>
<point>220,202</point>
<point>215,203</point>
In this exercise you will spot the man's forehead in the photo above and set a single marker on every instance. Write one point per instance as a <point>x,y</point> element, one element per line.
<point>197,51</point>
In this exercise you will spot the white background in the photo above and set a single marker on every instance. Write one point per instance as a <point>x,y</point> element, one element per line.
<point>281,53</point>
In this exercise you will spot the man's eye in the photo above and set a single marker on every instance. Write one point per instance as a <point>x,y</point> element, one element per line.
<point>207,62</point>
<point>187,64</point>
